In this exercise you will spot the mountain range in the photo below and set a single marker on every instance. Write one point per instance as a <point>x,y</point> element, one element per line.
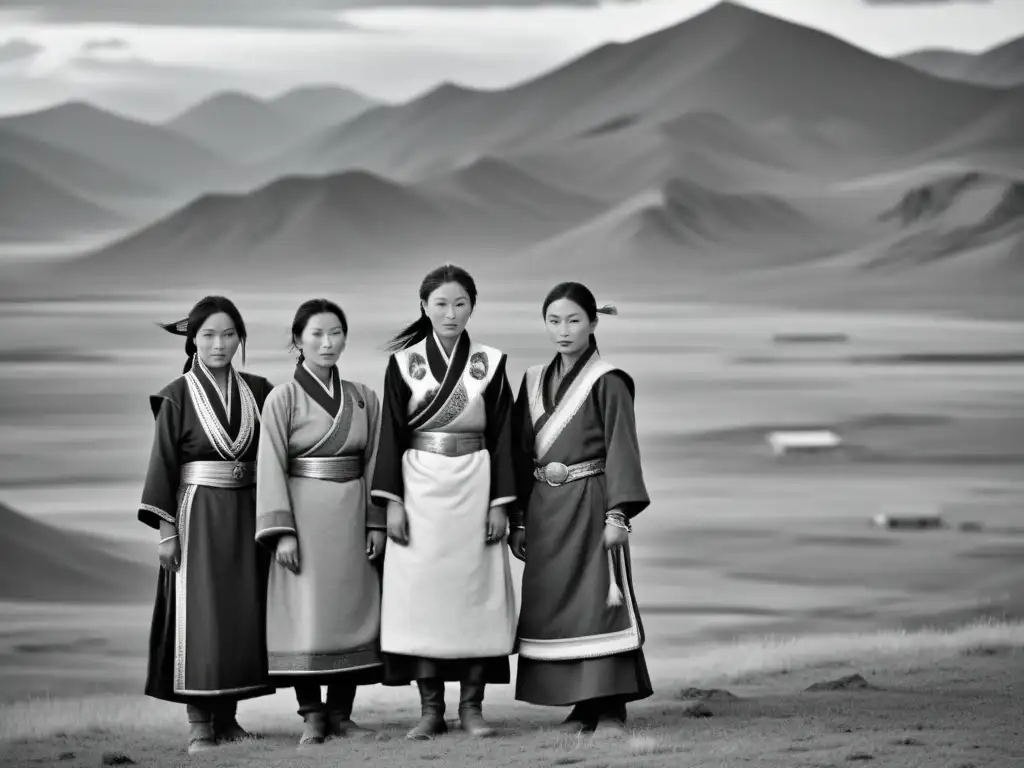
<point>1001,66</point>
<point>708,148</point>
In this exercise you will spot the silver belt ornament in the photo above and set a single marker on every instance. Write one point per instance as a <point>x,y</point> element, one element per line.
<point>450,444</point>
<point>556,473</point>
<point>335,469</point>
<point>219,474</point>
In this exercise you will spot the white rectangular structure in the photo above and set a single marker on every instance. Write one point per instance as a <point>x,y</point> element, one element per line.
<point>802,441</point>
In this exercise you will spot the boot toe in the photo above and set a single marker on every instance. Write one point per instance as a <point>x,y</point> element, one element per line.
<point>610,730</point>
<point>474,724</point>
<point>197,745</point>
<point>427,729</point>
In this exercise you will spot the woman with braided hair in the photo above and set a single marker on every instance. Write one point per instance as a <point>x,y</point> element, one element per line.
<point>579,483</point>
<point>207,646</point>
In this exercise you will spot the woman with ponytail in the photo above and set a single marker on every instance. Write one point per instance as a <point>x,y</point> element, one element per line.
<point>579,485</point>
<point>313,512</point>
<point>445,475</point>
<point>207,645</point>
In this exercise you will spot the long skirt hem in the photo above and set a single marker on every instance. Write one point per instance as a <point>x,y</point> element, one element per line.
<point>366,676</point>
<point>403,670</point>
<point>206,701</point>
<point>623,677</point>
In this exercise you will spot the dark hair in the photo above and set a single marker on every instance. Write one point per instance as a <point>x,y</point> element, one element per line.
<point>420,329</point>
<point>205,308</point>
<point>578,293</point>
<point>309,309</point>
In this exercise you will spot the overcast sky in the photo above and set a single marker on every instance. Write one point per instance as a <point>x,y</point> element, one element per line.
<point>153,57</point>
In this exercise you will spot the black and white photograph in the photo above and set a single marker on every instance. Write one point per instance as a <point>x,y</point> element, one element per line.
<point>512,383</point>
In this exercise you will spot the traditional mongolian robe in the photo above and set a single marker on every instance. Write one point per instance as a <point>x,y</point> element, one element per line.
<point>316,455</point>
<point>577,457</point>
<point>207,636</point>
<point>446,454</point>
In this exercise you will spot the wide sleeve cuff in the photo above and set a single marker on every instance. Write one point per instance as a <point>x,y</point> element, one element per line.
<point>152,516</point>
<point>385,496</point>
<point>271,525</point>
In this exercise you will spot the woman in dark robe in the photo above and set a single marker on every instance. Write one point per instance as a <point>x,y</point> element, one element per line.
<point>207,645</point>
<point>580,483</point>
<point>314,512</point>
<point>445,474</point>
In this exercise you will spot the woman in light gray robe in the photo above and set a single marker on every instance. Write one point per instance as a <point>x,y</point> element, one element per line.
<point>316,455</point>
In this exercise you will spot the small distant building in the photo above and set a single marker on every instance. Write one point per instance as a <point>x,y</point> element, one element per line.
<point>908,521</point>
<point>784,442</point>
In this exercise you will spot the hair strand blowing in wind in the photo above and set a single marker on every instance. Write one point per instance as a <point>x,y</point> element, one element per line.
<point>418,330</point>
<point>200,313</point>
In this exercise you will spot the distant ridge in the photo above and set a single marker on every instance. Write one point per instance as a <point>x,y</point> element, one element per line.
<point>748,66</point>
<point>354,220</point>
<point>157,156</point>
<point>33,208</point>
<point>1001,65</point>
<point>74,172</point>
<point>246,128</point>
<point>46,564</point>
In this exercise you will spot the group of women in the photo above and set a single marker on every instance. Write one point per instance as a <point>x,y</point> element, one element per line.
<point>313,534</point>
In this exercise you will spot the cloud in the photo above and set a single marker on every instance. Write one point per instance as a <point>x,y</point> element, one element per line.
<point>106,44</point>
<point>928,2</point>
<point>18,49</point>
<point>297,14</point>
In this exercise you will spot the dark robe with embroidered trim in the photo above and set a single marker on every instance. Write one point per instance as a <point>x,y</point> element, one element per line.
<point>207,640</point>
<point>572,646</point>
<point>448,607</point>
<point>323,623</point>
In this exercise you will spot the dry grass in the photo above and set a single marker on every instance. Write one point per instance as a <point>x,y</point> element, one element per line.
<point>938,699</point>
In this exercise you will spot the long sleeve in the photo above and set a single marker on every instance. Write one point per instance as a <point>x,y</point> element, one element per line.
<point>387,482</point>
<point>274,516</point>
<point>498,436</point>
<point>160,492</point>
<point>522,455</point>
<point>623,473</point>
<point>375,516</point>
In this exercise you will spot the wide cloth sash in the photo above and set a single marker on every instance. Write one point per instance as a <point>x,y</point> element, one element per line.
<point>556,473</point>
<point>335,469</point>
<point>448,443</point>
<point>219,474</point>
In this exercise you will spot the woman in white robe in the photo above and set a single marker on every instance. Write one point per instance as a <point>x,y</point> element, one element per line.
<point>444,470</point>
<point>316,454</point>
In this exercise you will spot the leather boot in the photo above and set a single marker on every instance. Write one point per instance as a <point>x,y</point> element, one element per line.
<point>471,713</point>
<point>225,724</point>
<point>314,729</point>
<point>431,722</point>
<point>611,720</point>
<point>582,719</point>
<point>340,698</point>
<point>201,736</point>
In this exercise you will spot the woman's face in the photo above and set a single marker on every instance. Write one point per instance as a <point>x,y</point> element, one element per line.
<point>449,309</point>
<point>568,326</point>
<point>323,339</point>
<point>217,341</point>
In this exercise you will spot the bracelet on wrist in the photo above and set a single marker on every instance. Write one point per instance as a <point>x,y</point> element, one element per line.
<point>618,520</point>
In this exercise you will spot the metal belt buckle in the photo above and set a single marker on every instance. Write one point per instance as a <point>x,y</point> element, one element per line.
<point>556,473</point>
<point>238,471</point>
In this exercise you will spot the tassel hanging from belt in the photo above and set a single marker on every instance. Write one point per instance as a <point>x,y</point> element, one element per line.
<point>614,592</point>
